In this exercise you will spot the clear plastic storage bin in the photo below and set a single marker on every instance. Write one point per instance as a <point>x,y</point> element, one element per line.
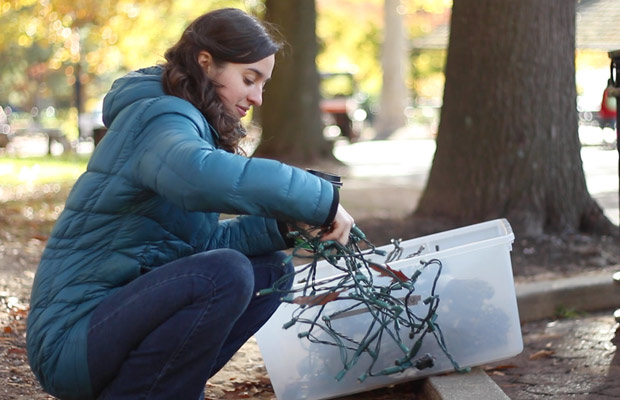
<point>477,314</point>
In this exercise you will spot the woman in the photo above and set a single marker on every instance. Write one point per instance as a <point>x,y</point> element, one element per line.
<point>142,292</point>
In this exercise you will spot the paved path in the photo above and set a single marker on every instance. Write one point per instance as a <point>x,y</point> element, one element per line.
<point>402,165</point>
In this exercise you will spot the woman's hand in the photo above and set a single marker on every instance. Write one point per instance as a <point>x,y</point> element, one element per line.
<point>341,227</point>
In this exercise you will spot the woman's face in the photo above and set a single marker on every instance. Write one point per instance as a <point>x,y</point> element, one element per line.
<point>239,86</point>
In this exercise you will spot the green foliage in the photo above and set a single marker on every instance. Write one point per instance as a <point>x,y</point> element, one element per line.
<point>350,35</point>
<point>336,85</point>
<point>350,42</point>
<point>427,72</point>
<point>51,44</point>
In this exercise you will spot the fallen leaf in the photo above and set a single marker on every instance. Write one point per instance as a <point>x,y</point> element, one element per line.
<point>499,367</point>
<point>16,350</point>
<point>541,354</point>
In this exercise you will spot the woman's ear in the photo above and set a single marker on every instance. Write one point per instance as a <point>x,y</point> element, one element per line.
<point>205,60</point>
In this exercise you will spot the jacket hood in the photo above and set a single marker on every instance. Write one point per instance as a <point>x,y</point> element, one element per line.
<point>137,85</point>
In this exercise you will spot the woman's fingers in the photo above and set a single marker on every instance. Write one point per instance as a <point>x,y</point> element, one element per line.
<point>340,227</point>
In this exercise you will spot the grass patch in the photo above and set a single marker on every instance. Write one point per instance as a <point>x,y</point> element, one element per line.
<point>563,312</point>
<point>41,170</point>
<point>33,191</point>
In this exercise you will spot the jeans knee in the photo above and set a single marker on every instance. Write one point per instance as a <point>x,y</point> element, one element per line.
<point>237,269</point>
<point>223,272</point>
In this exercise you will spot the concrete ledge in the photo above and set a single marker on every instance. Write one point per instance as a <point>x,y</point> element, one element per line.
<point>542,299</point>
<point>475,385</point>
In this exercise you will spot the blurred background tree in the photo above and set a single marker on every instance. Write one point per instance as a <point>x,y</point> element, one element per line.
<point>61,56</point>
<point>351,38</point>
<point>290,116</point>
<point>394,65</point>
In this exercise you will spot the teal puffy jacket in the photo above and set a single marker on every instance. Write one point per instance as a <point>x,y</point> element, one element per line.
<point>152,193</point>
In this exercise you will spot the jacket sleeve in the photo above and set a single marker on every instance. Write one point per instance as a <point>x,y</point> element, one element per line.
<point>249,234</point>
<point>177,159</point>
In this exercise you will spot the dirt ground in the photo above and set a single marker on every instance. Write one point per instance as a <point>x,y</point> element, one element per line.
<point>547,366</point>
<point>574,358</point>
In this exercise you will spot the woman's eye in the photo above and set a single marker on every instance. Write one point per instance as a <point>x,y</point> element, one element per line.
<point>248,81</point>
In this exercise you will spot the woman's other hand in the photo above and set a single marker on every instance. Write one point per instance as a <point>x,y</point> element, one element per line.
<point>341,227</point>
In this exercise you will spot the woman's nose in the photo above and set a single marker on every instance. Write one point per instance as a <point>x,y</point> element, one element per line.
<point>256,96</point>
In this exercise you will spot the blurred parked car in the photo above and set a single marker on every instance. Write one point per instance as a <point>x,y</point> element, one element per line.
<point>609,110</point>
<point>602,115</point>
<point>344,108</point>
<point>597,122</point>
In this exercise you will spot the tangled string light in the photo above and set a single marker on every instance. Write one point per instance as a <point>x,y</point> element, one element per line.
<point>391,311</point>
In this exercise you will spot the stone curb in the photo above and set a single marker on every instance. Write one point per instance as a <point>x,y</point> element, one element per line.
<point>582,293</point>
<point>536,300</point>
<point>474,385</point>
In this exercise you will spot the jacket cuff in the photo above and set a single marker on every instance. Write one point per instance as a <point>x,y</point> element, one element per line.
<point>333,209</point>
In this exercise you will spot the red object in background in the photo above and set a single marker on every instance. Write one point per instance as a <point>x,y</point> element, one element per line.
<point>609,106</point>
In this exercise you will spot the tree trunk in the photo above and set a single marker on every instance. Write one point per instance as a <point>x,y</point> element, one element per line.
<point>507,143</point>
<point>393,63</point>
<point>291,118</point>
<point>78,89</point>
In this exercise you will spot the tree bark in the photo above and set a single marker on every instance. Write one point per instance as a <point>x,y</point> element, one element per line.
<point>507,144</point>
<point>393,63</point>
<point>292,130</point>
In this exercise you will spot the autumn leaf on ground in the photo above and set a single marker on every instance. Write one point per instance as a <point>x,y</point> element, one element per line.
<point>16,351</point>
<point>497,370</point>
<point>499,367</point>
<point>541,354</point>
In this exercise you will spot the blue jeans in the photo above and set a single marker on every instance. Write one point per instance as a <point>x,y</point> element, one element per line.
<point>168,331</point>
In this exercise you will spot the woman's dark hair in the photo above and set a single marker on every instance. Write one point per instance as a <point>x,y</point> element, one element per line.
<point>229,35</point>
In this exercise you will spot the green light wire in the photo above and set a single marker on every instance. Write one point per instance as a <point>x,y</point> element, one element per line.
<point>355,285</point>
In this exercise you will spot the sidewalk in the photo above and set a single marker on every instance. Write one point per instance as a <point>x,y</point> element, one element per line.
<point>400,166</point>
